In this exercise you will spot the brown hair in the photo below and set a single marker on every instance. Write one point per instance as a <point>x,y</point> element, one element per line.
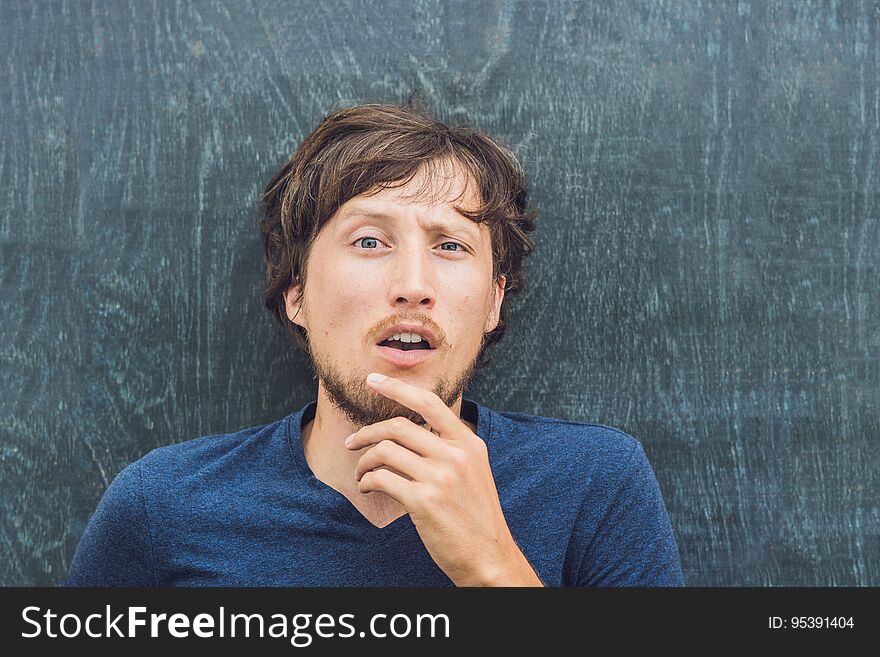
<point>366,148</point>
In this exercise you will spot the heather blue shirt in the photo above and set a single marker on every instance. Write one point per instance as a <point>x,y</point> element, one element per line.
<point>245,509</point>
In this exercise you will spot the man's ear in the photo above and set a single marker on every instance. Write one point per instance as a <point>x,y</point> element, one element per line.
<point>293,305</point>
<point>495,312</point>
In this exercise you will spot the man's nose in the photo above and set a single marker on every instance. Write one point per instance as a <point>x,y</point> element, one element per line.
<point>412,278</point>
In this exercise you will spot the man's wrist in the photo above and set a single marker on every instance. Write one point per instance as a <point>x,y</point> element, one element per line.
<point>514,570</point>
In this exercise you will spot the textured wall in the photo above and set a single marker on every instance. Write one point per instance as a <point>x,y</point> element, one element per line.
<point>706,274</point>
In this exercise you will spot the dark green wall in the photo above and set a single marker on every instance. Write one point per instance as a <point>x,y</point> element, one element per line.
<point>706,273</point>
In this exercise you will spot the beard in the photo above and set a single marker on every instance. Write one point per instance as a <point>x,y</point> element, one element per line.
<point>363,406</point>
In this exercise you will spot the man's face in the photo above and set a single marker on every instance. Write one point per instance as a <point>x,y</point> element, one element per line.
<point>389,259</point>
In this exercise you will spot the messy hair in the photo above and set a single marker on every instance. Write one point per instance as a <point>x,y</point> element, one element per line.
<point>370,147</point>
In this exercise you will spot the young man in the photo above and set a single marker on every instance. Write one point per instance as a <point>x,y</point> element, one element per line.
<point>391,241</point>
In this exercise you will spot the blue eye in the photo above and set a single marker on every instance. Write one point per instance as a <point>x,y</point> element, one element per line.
<point>460,247</point>
<point>372,239</point>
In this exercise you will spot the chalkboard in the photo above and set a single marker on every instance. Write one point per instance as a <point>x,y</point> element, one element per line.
<point>705,274</point>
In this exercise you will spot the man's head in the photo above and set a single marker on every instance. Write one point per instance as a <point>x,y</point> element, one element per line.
<point>386,218</point>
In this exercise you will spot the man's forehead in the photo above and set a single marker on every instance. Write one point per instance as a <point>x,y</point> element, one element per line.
<point>440,215</point>
<point>390,208</point>
<point>434,192</point>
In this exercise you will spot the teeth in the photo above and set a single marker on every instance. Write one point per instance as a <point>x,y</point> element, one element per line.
<point>407,337</point>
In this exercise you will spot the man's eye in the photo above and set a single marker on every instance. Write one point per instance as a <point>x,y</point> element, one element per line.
<point>460,247</point>
<point>371,240</point>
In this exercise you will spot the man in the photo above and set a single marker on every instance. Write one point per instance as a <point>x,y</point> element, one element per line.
<point>391,241</point>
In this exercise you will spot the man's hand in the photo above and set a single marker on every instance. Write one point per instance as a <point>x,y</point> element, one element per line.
<point>447,488</point>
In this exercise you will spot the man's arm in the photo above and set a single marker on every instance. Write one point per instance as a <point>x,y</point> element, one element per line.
<point>115,549</point>
<point>633,543</point>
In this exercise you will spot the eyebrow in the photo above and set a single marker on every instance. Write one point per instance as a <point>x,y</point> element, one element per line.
<point>435,225</point>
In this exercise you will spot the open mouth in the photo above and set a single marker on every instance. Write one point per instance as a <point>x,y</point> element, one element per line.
<point>404,346</point>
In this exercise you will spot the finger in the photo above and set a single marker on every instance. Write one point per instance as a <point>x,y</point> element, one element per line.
<point>400,430</point>
<point>389,483</point>
<point>392,470</point>
<point>437,414</point>
<point>405,462</point>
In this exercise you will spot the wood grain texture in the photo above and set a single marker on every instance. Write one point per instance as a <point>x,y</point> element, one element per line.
<point>706,273</point>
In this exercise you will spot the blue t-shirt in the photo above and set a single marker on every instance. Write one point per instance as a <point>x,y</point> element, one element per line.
<point>245,509</point>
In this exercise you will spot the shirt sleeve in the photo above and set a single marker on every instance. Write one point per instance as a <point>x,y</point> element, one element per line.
<point>115,549</point>
<point>633,543</point>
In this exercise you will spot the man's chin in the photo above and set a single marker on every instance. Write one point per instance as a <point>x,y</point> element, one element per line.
<point>363,406</point>
<point>359,403</point>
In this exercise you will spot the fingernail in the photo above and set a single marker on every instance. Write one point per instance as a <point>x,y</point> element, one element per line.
<point>375,377</point>
<point>349,440</point>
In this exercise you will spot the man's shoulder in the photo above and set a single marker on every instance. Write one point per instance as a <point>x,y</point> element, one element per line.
<point>563,435</point>
<point>199,456</point>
